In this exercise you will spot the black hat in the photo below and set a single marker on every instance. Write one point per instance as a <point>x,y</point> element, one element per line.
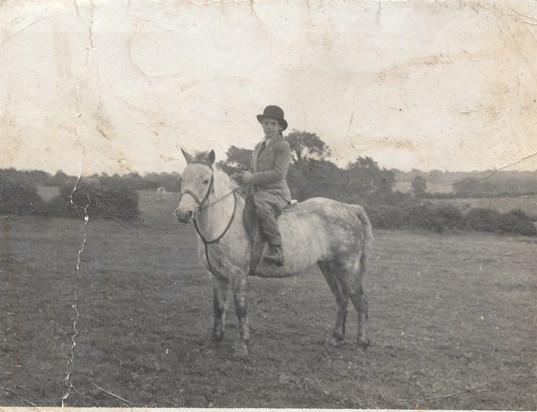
<point>273,112</point>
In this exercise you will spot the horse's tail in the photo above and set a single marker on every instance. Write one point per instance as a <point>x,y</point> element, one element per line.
<point>367,246</point>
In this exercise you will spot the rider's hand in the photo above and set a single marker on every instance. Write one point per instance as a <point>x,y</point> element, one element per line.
<point>246,177</point>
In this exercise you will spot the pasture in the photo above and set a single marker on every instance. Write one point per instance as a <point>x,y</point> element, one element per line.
<point>453,322</point>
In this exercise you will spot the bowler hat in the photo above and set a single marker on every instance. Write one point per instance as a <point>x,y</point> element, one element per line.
<point>273,112</point>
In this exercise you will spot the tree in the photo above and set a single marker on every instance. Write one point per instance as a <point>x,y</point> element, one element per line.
<point>237,160</point>
<point>310,178</point>
<point>307,145</point>
<point>419,185</point>
<point>367,180</point>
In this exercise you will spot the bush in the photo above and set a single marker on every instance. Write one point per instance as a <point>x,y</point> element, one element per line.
<point>18,196</point>
<point>517,221</point>
<point>423,217</point>
<point>59,206</point>
<point>387,217</point>
<point>108,199</point>
<point>486,220</point>
<point>448,217</point>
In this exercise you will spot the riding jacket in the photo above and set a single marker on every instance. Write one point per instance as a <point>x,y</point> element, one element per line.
<point>269,166</point>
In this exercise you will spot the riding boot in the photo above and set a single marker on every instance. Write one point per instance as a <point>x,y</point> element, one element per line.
<point>256,251</point>
<point>275,255</point>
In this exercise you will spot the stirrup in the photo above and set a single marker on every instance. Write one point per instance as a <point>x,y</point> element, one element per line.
<point>275,257</point>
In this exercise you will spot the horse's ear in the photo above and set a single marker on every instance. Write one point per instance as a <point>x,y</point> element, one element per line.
<point>211,157</point>
<point>187,156</point>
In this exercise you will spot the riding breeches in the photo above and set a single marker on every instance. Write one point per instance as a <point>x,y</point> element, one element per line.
<point>268,207</point>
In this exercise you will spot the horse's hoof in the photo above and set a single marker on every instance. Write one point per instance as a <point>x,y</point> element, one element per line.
<point>240,351</point>
<point>335,341</point>
<point>217,337</point>
<point>363,343</point>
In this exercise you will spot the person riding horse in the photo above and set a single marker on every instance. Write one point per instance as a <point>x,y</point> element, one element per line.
<point>267,174</point>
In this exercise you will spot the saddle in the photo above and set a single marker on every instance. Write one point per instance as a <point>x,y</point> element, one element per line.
<point>257,240</point>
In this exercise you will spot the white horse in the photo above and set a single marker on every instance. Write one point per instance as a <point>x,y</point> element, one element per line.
<point>334,235</point>
<point>161,193</point>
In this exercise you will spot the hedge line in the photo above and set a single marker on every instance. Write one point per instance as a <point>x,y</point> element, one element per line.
<point>105,199</point>
<point>440,218</point>
<point>109,199</point>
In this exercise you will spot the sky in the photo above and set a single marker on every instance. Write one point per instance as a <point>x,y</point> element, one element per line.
<point>121,86</point>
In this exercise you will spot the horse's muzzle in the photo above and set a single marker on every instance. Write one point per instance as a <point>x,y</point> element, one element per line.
<point>183,216</point>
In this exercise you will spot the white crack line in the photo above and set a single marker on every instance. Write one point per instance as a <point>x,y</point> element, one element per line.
<point>70,361</point>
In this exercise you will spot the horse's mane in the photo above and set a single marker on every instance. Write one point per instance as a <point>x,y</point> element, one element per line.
<point>223,183</point>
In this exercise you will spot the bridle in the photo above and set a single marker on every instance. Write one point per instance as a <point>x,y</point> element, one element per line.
<point>196,198</point>
<point>201,206</point>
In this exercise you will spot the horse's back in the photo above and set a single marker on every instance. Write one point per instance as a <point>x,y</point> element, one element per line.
<point>326,227</point>
<point>329,210</point>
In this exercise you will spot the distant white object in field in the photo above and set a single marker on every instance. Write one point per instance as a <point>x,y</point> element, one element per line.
<point>161,193</point>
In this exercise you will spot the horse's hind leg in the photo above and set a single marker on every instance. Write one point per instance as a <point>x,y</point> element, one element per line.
<point>342,301</point>
<point>220,306</point>
<point>350,278</point>
<point>359,301</point>
<point>239,295</point>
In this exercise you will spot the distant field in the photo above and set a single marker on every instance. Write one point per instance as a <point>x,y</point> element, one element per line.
<point>501,204</point>
<point>406,187</point>
<point>452,322</point>
<point>47,192</point>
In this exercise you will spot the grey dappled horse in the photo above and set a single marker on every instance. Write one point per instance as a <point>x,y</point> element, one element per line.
<point>334,235</point>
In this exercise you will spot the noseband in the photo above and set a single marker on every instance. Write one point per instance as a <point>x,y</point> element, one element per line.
<point>195,197</point>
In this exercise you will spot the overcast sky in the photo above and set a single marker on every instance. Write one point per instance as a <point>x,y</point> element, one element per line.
<point>122,85</point>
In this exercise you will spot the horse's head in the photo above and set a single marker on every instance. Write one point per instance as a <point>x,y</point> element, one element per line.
<point>197,184</point>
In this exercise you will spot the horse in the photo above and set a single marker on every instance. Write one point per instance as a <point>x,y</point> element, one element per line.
<point>161,193</point>
<point>336,236</point>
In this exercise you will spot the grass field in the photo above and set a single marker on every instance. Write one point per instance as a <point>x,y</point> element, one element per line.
<point>453,323</point>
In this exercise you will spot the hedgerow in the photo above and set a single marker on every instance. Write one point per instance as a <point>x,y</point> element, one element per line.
<point>105,199</point>
<point>440,218</point>
<point>18,196</point>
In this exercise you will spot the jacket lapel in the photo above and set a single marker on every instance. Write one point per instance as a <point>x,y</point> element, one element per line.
<point>265,152</point>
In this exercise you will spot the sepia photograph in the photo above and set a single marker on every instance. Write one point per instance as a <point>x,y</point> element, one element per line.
<point>320,204</point>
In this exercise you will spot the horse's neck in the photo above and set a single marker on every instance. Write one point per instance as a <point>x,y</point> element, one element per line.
<point>214,220</point>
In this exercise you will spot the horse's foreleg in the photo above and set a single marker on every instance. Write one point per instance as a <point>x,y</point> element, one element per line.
<point>342,301</point>
<point>219,305</point>
<point>239,296</point>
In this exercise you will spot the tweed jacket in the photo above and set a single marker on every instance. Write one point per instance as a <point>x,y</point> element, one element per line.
<point>269,167</point>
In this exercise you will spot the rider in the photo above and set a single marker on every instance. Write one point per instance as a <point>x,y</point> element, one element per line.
<point>267,174</point>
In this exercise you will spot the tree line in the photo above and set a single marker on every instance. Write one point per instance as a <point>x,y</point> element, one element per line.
<point>149,181</point>
<point>311,174</point>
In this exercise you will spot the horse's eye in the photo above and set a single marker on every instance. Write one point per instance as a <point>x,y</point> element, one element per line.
<point>206,181</point>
